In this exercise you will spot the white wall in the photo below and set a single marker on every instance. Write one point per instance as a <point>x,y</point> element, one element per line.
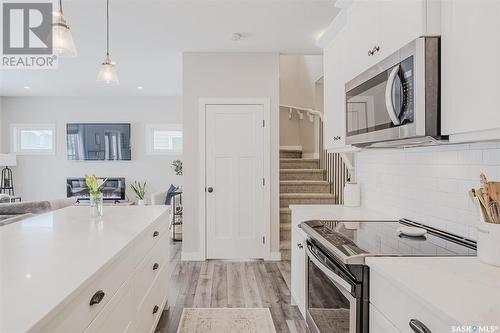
<point>298,76</point>
<point>225,75</point>
<point>428,185</point>
<point>44,176</point>
<point>1,102</point>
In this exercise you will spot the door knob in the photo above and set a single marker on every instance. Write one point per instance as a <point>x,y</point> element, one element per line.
<point>210,189</point>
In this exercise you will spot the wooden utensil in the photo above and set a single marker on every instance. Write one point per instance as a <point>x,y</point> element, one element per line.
<point>494,212</point>
<point>481,197</point>
<point>494,191</point>
<point>486,189</point>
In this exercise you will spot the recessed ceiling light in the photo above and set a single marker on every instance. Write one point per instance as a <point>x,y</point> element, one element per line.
<point>140,87</point>
<point>27,87</point>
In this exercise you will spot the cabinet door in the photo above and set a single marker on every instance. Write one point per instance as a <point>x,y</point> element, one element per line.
<point>334,94</point>
<point>298,269</point>
<point>470,67</point>
<point>399,22</point>
<point>362,32</point>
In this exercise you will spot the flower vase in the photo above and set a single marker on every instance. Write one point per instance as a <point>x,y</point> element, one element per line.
<point>96,206</point>
<point>141,202</point>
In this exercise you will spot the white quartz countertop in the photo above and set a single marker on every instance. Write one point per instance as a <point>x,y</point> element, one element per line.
<point>464,289</point>
<point>46,258</point>
<point>341,213</point>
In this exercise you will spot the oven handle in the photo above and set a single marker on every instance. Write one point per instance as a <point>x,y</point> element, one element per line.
<point>334,277</point>
<point>389,105</point>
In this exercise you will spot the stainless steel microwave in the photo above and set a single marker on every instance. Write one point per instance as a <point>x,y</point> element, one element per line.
<point>397,102</point>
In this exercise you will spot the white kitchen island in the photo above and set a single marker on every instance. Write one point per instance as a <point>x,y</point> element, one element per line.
<point>64,272</point>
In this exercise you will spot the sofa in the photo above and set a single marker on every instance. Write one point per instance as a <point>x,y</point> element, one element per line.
<point>15,211</point>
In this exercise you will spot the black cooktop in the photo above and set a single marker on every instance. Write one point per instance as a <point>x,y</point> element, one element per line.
<point>352,241</point>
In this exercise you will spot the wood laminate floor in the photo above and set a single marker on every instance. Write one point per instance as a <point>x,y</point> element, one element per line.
<point>213,284</point>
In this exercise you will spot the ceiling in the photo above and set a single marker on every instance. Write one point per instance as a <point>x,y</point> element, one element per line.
<point>148,38</point>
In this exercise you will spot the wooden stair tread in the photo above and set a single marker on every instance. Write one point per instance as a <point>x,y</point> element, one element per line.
<point>302,170</point>
<point>306,195</point>
<point>303,182</point>
<point>289,159</point>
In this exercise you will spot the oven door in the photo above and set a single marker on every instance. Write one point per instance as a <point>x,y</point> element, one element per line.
<point>331,306</point>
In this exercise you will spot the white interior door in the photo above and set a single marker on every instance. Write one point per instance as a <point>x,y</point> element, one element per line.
<point>234,181</point>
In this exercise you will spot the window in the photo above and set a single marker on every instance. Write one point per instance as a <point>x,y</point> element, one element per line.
<point>164,139</point>
<point>33,139</point>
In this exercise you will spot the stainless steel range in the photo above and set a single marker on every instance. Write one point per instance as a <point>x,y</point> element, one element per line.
<point>337,278</point>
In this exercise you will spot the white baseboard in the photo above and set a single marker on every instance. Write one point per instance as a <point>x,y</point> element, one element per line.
<point>274,256</point>
<point>290,147</point>
<point>192,256</point>
<point>310,155</point>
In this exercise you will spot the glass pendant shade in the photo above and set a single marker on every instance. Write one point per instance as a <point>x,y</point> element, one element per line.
<point>107,74</point>
<point>62,41</point>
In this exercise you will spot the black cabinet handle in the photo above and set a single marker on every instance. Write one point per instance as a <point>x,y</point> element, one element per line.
<point>155,309</point>
<point>156,233</point>
<point>155,266</point>
<point>418,327</point>
<point>97,298</point>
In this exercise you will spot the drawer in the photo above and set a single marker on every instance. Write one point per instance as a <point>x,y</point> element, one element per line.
<point>78,313</point>
<point>388,299</point>
<point>117,315</point>
<point>379,323</point>
<point>146,317</point>
<point>149,269</point>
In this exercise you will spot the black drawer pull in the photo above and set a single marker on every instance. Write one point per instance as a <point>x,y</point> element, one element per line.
<point>97,298</point>
<point>155,309</point>
<point>155,266</point>
<point>156,233</point>
<point>418,327</point>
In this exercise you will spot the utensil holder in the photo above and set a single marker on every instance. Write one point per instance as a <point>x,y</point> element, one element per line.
<point>488,243</point>
<point>488,238</point>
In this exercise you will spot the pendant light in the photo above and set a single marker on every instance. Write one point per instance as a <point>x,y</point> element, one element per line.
<point>107,74</point>
<point>62,41</point>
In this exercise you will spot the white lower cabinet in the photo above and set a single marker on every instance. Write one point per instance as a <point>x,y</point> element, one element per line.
<point>298,269</point>
<point>396,308</point>
<point>128,296</point>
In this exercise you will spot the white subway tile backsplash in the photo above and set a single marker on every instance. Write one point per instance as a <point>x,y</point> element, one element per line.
<point>430,184</point>
<point>491,157</point>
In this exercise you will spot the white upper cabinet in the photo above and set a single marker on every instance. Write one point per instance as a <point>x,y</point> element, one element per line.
<point>334,94</point>
<point>378,28</point>
<point>362,37</point>
<point>470,70</point>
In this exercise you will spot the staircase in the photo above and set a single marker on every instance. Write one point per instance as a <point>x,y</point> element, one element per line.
<point>301,182</point>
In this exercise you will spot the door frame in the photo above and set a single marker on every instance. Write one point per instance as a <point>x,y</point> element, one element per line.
<point>202,221</point>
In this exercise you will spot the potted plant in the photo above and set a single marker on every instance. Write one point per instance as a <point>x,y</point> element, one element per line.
<point>94,185</point>
<point>140,192</point>
<point>177,166</point>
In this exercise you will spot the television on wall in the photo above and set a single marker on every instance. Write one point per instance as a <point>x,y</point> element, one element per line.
<point>113,188</point>
<point>98,141</point>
